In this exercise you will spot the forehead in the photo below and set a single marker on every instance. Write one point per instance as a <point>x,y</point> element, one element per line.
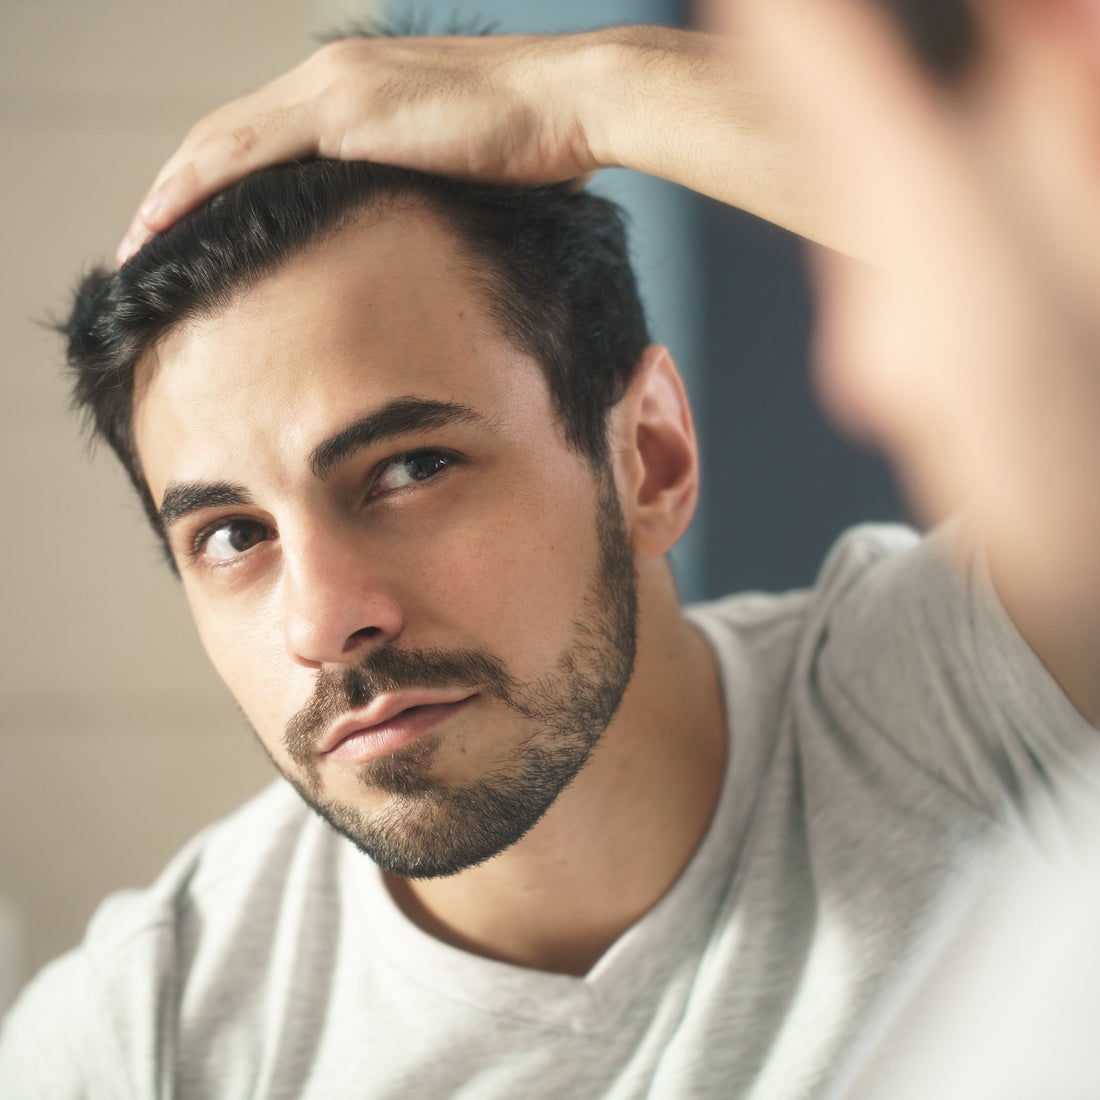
<point>386,309</point>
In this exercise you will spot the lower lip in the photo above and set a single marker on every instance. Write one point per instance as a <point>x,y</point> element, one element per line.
<point>366,744</point>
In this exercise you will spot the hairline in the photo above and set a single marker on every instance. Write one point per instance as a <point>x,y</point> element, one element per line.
<point>484,277</point>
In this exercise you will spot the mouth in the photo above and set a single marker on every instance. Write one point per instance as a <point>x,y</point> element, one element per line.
<point>388,724</point>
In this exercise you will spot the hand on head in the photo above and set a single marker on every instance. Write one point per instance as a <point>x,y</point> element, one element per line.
<point>476,108</point>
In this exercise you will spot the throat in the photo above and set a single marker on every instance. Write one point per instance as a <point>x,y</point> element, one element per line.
<point>544,938</point>
<point>613,843</point>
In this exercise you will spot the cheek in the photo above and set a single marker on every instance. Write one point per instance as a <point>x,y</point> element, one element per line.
<point>510,580</point>
<point>249,654</point>
<point>514,586</point>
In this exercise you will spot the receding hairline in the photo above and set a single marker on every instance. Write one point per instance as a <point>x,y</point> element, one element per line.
<point>554,262</point>
<point>367,214</point>
<point>479,273</point>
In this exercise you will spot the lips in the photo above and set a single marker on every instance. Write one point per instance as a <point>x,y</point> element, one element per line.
<point>390,721</point>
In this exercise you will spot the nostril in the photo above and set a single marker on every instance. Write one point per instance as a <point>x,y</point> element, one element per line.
<point>368,633</point>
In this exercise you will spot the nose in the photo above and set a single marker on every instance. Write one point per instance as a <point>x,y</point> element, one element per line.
<point>337,603</point>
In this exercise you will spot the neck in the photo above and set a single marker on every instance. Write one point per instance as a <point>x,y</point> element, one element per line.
<point>617,838</point>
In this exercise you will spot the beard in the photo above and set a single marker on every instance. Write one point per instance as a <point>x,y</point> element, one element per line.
<point>429,828</point>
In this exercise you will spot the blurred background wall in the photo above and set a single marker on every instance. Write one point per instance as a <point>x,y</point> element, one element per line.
<point>117,741</point>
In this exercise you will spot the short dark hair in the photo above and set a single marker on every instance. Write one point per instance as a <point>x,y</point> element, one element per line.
<point>551,261</point>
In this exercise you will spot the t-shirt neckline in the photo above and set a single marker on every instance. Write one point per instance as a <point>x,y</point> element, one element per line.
<point>661,948</point>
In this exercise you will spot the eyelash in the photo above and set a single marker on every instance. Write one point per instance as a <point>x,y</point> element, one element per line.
<point>198,543</point>
<point>407,457</point>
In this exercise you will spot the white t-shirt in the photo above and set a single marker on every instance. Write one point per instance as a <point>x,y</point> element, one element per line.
<point>887,729</point>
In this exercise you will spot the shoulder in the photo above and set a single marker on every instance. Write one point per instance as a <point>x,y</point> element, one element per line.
<point>768,630</point>
<point>922,626</point>
<point>229,861</point>
<point>111,1010</point>
<point>902,653</point>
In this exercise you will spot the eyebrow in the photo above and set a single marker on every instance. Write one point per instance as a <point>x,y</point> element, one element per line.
<point>395,418</point>
<point>183,497</point>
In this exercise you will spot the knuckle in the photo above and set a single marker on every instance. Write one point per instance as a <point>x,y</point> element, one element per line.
<point>337,58</point>
<point>199,132</point>
<point>241,140</point>
<point>335,121</point>
<point>340,102</point>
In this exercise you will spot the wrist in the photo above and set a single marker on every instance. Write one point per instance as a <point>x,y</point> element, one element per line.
<point>628,85</point>
<point>598,72</point>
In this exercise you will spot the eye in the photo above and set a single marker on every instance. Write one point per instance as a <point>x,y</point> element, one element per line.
<point>401,471</point>
<point>229,539</point>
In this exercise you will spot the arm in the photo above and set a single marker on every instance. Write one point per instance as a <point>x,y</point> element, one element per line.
<point>56,1039</point>
<point>970,352</point>
<point>520,109</point>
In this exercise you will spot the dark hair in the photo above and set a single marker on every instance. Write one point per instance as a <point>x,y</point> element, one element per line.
<point>552,263</point>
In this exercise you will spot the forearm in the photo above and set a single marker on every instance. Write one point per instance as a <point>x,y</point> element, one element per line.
<point>527,109</point>
<point>694,109</point>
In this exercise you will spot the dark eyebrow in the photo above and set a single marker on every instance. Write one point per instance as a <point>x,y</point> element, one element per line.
<point>396,418</point>
<point>183,497</point>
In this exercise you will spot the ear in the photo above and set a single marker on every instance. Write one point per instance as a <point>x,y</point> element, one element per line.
<point>656,456</point>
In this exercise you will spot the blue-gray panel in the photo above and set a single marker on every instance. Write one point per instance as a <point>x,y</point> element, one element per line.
<point>782,484</point>
<point>542,17</point>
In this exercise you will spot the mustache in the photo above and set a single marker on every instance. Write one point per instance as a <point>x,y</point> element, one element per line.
<point>387,670</point>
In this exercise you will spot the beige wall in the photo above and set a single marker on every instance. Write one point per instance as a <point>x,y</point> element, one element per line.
<point>116,740</point>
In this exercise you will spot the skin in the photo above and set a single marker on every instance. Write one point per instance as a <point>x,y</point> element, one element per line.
<point>965,350</point>
<point>967,354</point>
<point>495,552</point>
<point>968,350</point>
<point>511,109</point>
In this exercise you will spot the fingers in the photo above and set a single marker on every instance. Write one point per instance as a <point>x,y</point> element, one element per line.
<point>876,122</point>
<point>1042,98</point>
<point>202,167</point>
<point>955,356</point>
<point>907,347</point>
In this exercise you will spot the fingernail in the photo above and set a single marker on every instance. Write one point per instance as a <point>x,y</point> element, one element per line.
<point>126,249</point>
<point>151,207</point>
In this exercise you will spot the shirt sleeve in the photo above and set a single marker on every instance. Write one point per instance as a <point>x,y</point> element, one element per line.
<point>99,1022</point>
<point>912,646</point>
<point>52,1042</point>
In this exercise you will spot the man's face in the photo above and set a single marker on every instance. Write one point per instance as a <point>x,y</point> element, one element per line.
<point>421,597</point>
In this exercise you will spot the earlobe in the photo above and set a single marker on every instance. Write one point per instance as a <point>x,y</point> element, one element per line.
<point>657,455</point>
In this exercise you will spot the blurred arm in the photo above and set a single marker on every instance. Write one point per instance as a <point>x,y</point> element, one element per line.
<point>969,350</point>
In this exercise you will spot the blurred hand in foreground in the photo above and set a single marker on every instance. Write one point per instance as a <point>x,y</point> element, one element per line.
<point>968,348</point>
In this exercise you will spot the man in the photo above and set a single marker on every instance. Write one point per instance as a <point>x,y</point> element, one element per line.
<point>418,469</point>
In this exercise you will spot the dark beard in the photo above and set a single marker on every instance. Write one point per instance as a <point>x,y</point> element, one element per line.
<point>431,829</point>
